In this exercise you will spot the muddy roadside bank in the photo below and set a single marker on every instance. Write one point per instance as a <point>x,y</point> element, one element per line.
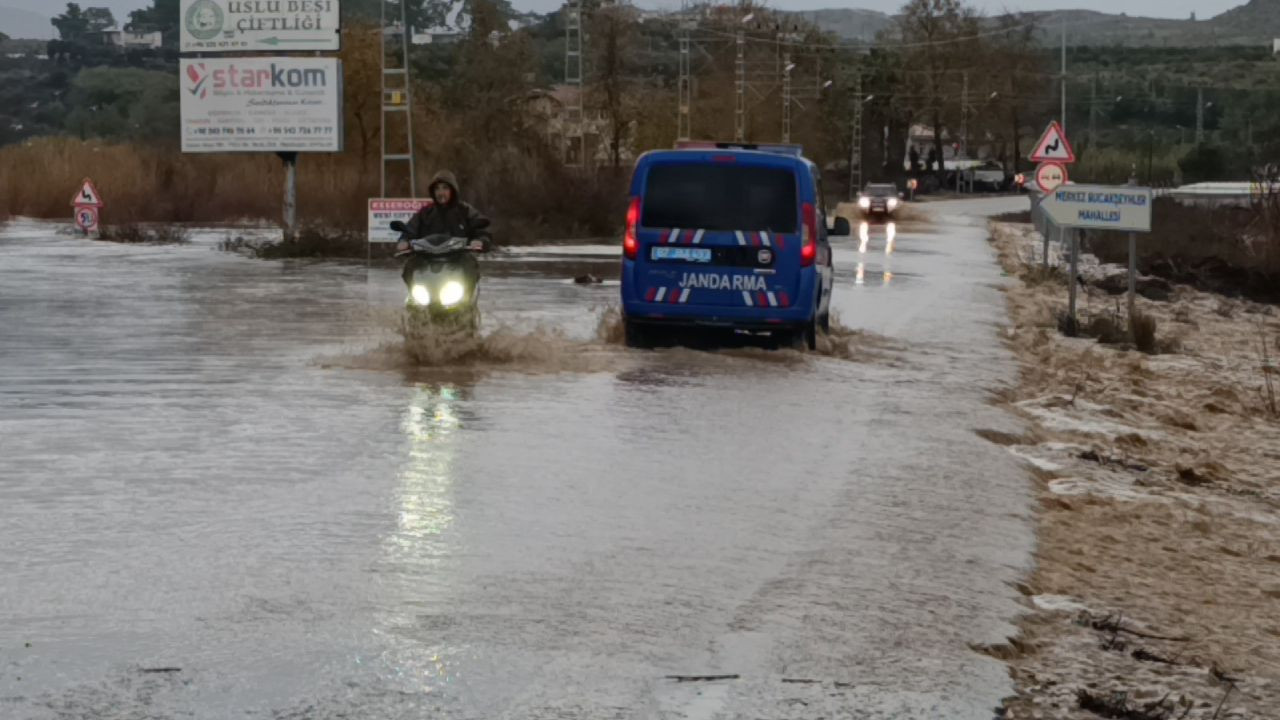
<point>1156,592</point>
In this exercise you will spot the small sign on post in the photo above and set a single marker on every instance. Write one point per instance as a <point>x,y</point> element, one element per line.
<point>88,204</point>
<point>1050,175</point>
<point>384,211</point>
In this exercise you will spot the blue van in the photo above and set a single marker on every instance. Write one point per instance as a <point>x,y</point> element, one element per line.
<point>729,236</point>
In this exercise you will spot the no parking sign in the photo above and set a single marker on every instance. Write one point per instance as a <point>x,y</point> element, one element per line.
<point>87,218</point>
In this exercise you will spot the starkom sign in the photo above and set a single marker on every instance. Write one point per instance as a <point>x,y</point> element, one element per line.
<point>262,105</point>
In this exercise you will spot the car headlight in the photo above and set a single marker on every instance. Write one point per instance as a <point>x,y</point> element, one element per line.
<point>451,294</point>
<point>420,295</point>
<point>893,203</point>
<point>864,203</point>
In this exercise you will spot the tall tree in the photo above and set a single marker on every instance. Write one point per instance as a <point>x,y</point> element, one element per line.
<point>163,16</point>
<point>939,39</point>
<point>72,24</point>
<point>99,19</point>
<point>613,30</point>
<point>1016,62</point>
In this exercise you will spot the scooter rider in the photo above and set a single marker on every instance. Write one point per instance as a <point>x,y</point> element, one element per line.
<point>447,215</point>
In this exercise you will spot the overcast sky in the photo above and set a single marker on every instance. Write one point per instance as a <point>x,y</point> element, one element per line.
<point>1155,8</point>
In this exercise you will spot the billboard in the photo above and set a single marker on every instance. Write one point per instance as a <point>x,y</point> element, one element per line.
<point>211,26</point>
<point>261,105</point>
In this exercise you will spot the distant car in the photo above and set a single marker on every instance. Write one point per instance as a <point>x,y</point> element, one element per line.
<point>989,176</point>
<point>880,199</point>
<point>727,236</point>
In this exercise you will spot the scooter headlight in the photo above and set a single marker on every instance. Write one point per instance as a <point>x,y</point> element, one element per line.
<point>451,294</point>
<point>421,295</point>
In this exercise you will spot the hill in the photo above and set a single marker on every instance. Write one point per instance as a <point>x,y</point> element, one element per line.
<point>20,23</point>
<point>850,23</point>
<point>1255,23</point>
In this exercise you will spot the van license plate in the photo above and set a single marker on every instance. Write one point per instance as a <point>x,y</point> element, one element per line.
<point>681,254</point>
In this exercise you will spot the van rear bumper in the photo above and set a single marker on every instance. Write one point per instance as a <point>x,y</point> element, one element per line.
<point>744,318</point>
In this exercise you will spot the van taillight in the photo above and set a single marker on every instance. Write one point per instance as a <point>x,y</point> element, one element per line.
<point>809,240</point>
<point>630,243</point>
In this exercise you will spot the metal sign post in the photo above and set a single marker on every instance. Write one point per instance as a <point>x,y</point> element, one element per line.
<point>290,160</point>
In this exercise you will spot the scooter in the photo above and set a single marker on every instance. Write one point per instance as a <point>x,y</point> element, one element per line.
<point>443,279</point>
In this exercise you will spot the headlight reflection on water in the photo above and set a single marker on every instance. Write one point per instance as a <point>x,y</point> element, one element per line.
<point>416,564</point>
<point>421,295</point>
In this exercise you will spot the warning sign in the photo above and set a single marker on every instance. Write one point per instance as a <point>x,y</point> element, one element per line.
<point>1053,146</point>
<point>88,195</point>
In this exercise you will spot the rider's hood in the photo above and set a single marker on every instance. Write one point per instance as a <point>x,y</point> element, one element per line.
<point>448,178</point>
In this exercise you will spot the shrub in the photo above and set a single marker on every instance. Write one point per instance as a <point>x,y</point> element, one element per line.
<point>135,233</point>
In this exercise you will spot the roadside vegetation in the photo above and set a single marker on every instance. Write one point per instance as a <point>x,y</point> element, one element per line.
<point>1156,564</point>
<point>137,234</point>
<point>1233,251</point>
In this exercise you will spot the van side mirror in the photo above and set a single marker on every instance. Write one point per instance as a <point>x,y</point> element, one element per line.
<point>398,226</point>
<point>901,195</point>
<point>841,228</point>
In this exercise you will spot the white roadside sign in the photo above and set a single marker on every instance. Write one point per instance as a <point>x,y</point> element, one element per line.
<point>261,105</point>
<point>210,26</point>
<point>1100,207</point>
<point>384,211</point>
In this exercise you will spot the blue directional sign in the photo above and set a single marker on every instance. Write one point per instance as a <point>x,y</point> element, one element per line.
<point>1100,207</point>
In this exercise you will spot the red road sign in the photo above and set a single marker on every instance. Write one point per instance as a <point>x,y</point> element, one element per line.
<point>88,196</point>
<point>1050,175</point>
<point>1053,146</point>
<point>87,218</point>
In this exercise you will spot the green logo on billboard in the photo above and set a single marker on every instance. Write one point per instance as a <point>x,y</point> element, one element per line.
<point>204,20</point>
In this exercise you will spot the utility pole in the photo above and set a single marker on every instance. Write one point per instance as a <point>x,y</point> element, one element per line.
<point>786,95</point>
<point>1093,112</point>
<point>1063,120</point>
<point>740,89</point>
<point>964,116</point>
<point>855,142</point>
<point>576,148</point>
<point>1199,116</point>
<point>685,90</point>
<point>397,92</point>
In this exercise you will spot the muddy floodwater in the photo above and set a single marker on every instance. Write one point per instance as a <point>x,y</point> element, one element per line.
<point>224,493</point>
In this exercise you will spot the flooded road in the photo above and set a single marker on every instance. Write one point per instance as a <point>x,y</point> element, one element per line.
<point>219,498</point>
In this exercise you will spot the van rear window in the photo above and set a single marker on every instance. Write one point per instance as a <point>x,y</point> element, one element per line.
<point>720,197</point>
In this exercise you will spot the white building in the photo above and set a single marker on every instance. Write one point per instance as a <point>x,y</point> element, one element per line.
<point>130,39</point>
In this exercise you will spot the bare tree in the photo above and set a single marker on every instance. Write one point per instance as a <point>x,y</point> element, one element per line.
<point>939,39</point>
<point>614,86</point>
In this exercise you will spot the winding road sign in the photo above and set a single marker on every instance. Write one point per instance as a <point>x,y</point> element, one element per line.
<point>88,196</point>
<point>1053,146</point>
